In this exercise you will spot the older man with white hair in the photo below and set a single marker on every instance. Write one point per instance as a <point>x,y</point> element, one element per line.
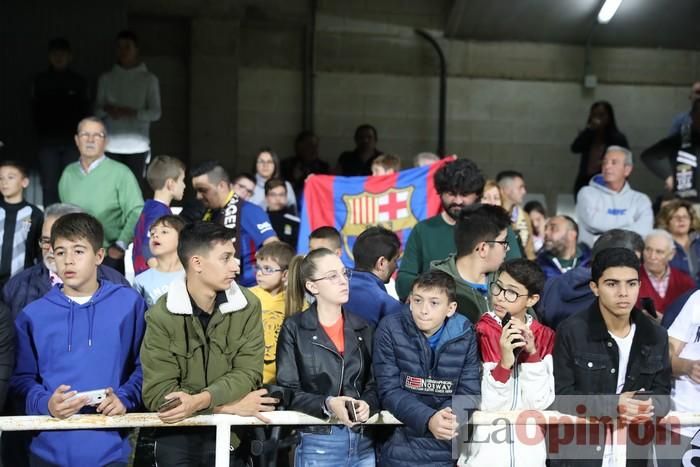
<point>659,281</point>
<point>608,202</point>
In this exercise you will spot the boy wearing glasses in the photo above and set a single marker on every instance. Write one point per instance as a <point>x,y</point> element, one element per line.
<point>480,236</point>
<point>271,268</point>
<point>516,351</point>
<point>21,222</point>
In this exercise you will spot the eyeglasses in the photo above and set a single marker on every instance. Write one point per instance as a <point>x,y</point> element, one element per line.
<point>45,242</point>
<point>96,136</point>
<point>244,188</point>
<point>511,296</point>
<point>267,270</point>
<point>503,243</point>
<point>335,277</point>
<point>264,162</point>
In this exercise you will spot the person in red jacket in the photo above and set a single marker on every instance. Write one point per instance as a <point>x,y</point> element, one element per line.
<point>516,351</point>
<point>659,281</point>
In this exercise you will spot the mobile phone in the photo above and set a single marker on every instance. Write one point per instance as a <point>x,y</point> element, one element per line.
<point>642,395</point>
<point>350,407</point>
<point>504,322</point>
<point>648,306</point>
<point>94,397</point>
<point>169,404</point>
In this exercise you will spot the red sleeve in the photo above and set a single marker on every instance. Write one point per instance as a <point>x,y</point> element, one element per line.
<point>487,337</point>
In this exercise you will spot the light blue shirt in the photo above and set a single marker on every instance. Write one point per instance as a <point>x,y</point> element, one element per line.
<point>152,284</point>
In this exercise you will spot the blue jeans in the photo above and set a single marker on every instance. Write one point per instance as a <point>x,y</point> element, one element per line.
<point>342,448</point>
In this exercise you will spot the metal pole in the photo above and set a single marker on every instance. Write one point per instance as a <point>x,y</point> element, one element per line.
<point>442,104</point>
<point>223,444</point>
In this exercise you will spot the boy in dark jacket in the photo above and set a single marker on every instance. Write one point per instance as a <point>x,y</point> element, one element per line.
<point>611,361</point>
<point>84,335</point>
<point>423,357</point>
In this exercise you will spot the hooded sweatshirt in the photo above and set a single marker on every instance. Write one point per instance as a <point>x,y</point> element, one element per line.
<point>135,88</point>
<point>90,346</point>
<point>471,302</point>
<point>600,209</point>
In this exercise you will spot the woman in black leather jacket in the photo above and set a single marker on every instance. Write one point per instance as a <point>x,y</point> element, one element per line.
<point>324,359</point>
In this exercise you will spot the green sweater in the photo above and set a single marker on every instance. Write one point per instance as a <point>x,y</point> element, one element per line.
<point>432,240</point>
<point>109,192</point>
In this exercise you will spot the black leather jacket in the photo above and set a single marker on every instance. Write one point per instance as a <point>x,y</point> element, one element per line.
<point>586,360</point>
<point>311,369</point>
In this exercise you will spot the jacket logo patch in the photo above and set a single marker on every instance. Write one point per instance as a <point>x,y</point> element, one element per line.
<point>428,385</point>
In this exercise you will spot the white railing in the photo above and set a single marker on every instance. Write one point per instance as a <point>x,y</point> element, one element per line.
<point>223,423</point>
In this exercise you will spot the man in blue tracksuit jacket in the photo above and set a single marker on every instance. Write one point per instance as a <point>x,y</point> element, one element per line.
<point>83,335</point>
<point>423,357</point>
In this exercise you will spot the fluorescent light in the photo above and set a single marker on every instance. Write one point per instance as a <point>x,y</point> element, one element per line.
<point>607,11</point>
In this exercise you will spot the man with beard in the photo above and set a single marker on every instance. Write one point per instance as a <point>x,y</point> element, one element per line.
<point>459,184</point>
<point>561,252</point>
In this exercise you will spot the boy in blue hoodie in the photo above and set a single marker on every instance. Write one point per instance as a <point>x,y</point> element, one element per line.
<point>423,357</point>
<point>83,335</point>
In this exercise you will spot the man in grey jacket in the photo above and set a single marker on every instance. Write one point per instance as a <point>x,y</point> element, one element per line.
<point>608,202</point>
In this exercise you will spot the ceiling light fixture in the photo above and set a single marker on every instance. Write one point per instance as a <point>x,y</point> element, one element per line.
<point>607,11</point>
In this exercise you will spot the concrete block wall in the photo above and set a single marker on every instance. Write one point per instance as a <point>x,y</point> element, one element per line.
<point>510,105</point>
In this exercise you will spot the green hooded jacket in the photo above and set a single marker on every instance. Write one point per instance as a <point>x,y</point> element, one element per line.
<point>470,302</point>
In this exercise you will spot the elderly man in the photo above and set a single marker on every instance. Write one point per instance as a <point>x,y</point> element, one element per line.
<point>32,283</point>
<point>561,252</point>
<point>104,188</point>
<point>608,202</point>
<point>659,281</point>
<point>226,207</point>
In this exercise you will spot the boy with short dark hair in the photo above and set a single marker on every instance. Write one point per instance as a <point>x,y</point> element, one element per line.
<point>516,351</point>
<point>612,349</point>
<point>282,217</point>
<point>83,335</point>
<point>326,237</point>
<point>154,282</point>
<point>204,345</point>
<point>166,177</point>
<point>21,225</point>
<point>480,236</point>
<point>423,357</point>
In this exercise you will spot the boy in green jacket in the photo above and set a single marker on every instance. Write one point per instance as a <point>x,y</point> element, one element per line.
<point>203,349</point>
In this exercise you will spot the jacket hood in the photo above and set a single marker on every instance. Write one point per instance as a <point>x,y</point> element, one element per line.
<point>56,296</point>
<point>573,285</point>
<point>598,183</point>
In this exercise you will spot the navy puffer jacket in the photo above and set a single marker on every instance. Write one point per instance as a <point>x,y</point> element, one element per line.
<point>414,382</point>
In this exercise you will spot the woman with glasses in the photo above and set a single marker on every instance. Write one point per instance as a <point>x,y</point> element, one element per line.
<point>267,166</point>
<point>680,220</point>
<point>324,360</point>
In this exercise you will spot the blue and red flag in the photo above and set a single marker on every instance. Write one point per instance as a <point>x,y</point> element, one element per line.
<point>351,204</point>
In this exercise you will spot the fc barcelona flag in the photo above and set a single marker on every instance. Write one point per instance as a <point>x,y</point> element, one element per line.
<point>351,204</point>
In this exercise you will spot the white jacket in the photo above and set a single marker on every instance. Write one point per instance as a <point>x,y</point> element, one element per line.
<point>600,209</point>
<point>136,88</point>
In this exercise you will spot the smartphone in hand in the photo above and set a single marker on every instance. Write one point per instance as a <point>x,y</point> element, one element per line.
<point>504,322</point>
<point>170,404</point>
<point>352,413</point>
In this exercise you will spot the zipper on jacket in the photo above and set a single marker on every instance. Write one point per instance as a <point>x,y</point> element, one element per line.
<point>354,384</point>
<point>513,405</point>
<point>342,365</point>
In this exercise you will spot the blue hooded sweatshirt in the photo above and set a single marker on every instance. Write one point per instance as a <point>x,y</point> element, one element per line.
<point>88,347</point>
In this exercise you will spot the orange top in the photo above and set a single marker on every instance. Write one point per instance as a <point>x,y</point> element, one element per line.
<point>336,335</point>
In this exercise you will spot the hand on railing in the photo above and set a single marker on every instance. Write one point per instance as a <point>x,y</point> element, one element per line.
<point>190,404</point>
<point>111,405</point>
<point>250,406</point>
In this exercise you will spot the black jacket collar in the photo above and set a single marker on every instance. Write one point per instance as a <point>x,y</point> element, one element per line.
<point>353,325</point>
<point>645,333</point>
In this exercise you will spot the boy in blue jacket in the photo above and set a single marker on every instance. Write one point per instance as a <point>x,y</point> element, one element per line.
<point>423,357</point>
<point>83,335</point>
